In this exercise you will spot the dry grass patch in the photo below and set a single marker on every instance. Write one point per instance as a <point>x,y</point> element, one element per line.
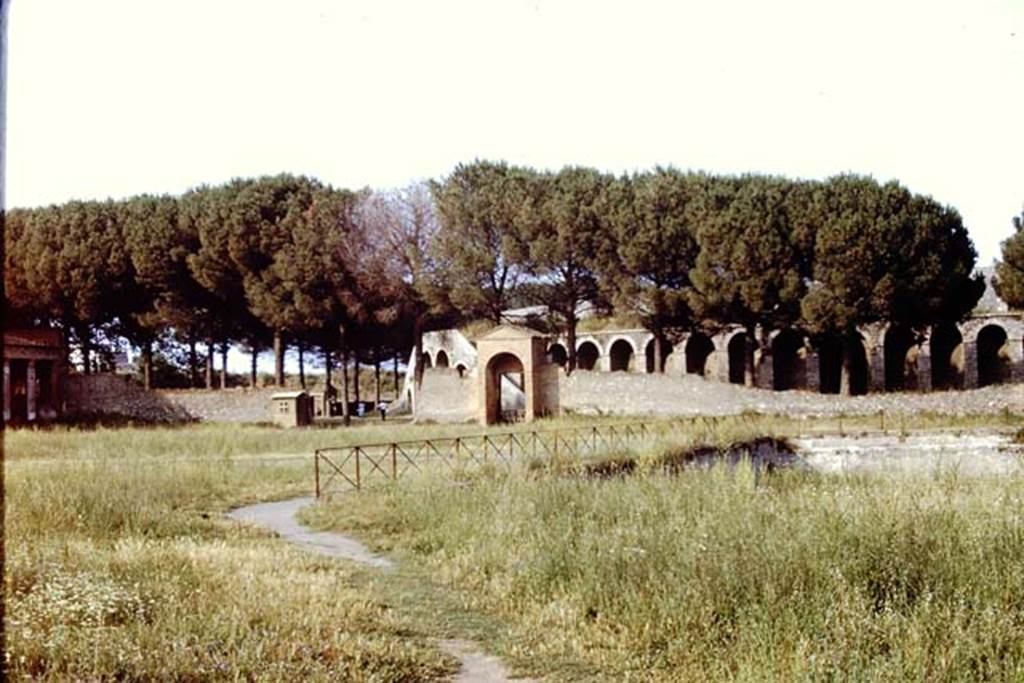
<point>126,571</point>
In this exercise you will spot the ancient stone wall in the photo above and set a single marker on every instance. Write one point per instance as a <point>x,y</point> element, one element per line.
<point>115,395</point>
<point>623,393</point>
<point>444,396</point>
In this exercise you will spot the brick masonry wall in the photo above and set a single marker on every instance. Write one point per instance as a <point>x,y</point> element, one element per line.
<point>118,396</point>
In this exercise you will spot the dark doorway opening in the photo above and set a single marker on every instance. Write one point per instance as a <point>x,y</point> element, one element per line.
<point>19,390</point>
<point>587,355</point>
<point>901,350</point>
<point>737,357</point>
<point>947,347</point>
<point>787,365</point>
<point>666,349</point>
<point>558,354</point>
<point>698,349</point>
<point>993,356</point>
<point>621,356</point>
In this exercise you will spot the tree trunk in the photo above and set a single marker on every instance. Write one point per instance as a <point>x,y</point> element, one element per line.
<point>846,374</point>
<point>85,344</point>
<point>224,365</point>
<point>355,387</point>
<point>418,375</point>
<point>209,364</point>
<point>253,378</point>
<point>766,354</point>
<point>193,363</point>
<point>328,363</point>
<point>376,381</point>
<point>570,338</point>
<point>147,365</point>
<point>346,417</point>
<point>398,388</point>
<point>302,365</point>
<point>279,347</point>
<point>748,356</point>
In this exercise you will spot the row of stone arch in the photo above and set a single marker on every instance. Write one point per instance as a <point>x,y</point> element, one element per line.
<point>440,360</point>
<point>793,356</point>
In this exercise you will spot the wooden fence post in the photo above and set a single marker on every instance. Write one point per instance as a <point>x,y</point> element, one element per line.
<point>316,467</point>
<point>359,481</point>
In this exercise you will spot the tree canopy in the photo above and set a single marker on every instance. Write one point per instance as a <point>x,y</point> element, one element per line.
<point>1009,280</point>
<point>365,274</point>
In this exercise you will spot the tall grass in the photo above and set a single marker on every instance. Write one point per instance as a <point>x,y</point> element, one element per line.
<point>121,572</point>
<point>231,440</point>
<point>707,576</point>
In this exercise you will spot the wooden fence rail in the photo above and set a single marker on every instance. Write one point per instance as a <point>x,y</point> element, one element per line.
<point>356,466</point>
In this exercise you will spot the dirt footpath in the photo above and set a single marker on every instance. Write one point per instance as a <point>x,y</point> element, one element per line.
<point>280,517</point>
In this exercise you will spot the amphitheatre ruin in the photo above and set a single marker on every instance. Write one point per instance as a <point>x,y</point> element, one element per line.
<point>515,373</point>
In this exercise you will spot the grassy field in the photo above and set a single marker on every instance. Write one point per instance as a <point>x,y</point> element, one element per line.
<point>120,565</point>
<point>707,576</point>
<point>123,570</point>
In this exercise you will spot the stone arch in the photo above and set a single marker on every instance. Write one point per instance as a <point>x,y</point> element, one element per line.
<point>699,348</point>
<point>830,364</point>
<point>587,355</point>
<point>558,354</point>
<point>506,397</point>
<point>461,369</point>
<point>666,349</point>
<point>947,355</point>
<point>993,350</point>
<point>737,353</point>
<point>427,363</point>
<point>787,365</point>
<point>441,359</point>
<point>900,347</point>
<point>621,356</point>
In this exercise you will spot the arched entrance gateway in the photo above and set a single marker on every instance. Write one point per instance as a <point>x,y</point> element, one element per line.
<point>441,360</point>
<point>507,400</point>
<point>514,363</point>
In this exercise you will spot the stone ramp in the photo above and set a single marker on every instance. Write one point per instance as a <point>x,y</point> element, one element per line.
<point>969,453</point>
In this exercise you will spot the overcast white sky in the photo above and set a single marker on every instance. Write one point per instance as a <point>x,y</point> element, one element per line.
<point>118,97</point>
